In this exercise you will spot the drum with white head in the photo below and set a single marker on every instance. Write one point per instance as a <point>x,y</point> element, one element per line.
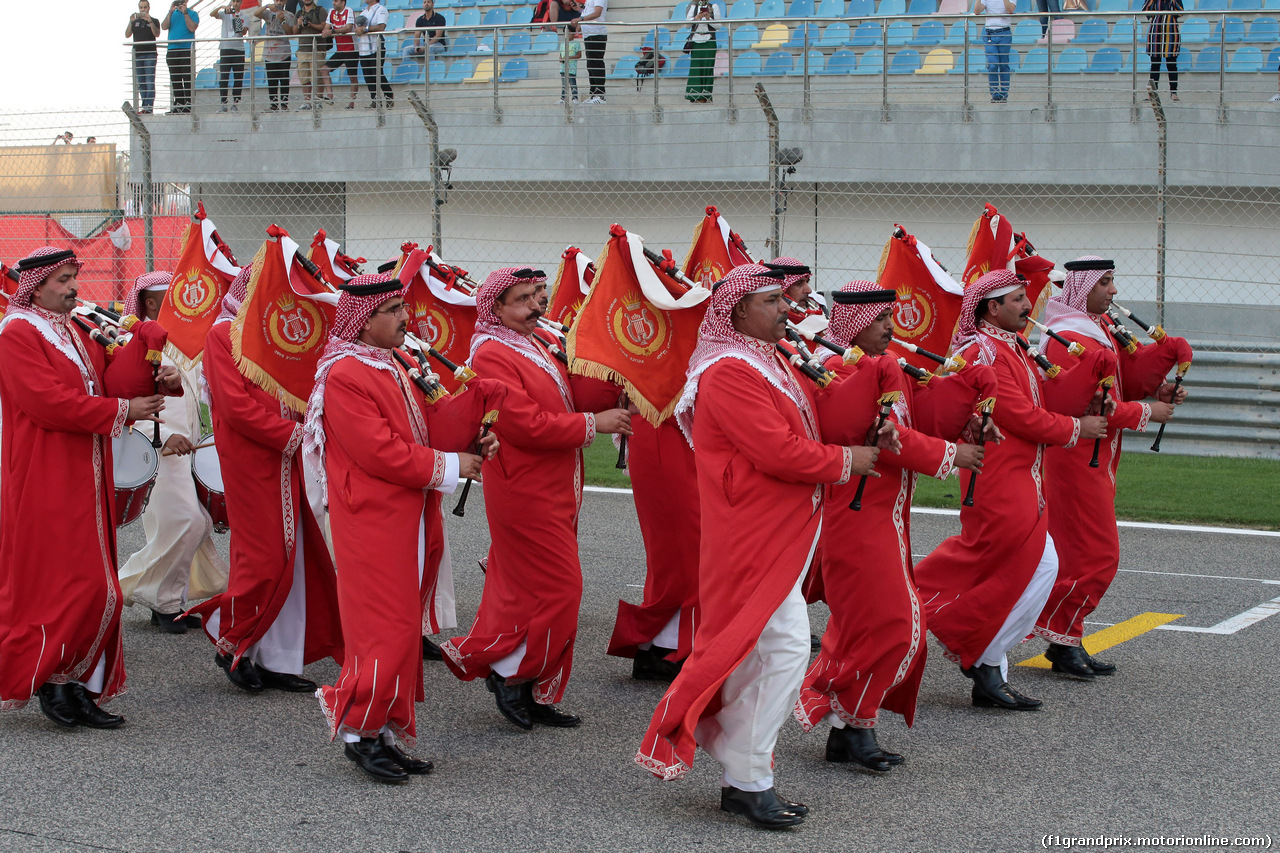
<point>135,463</point>
<point>207,472</point>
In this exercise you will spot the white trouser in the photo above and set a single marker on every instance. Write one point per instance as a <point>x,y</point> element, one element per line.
<point>1022,618</point>
<point>281,647</point>
<point>668,637</point>
<point>758,697</point>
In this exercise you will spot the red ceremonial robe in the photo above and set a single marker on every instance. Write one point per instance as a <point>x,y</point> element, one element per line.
<point>665,487</point>
<point>59,596</point>
<point>382,492</point>
<point>758,476</point>
<point>1083,521</point>
<point>971,582</point>
<point>873,650</point>
<point>532,495</point>
<point>258,442</point>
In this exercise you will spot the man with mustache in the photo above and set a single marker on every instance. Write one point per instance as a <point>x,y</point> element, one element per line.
<point>873,651</point>
<point>60,600</point>
<point>385,460</point>
<point>761,467</point>
<point>521,643</point>
<point>983,589</point>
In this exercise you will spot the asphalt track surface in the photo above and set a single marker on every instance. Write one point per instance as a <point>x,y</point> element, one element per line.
<point>1182,741</point>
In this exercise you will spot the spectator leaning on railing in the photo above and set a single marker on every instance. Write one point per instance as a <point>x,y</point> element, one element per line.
<point>277,53</point>
<point>431,38</point>
<point>701,48</point>
<point>594,38</point>
<point>370,23</point>
<point>144,29</point>
<point>340,27</point>
<point>181,24</point>
<point>231,52</point>
<point>312,46</point>
<point>997,37</point>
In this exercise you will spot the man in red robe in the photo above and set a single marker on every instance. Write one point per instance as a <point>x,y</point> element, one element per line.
<point>873,651</point>
<point>280,610</point>
<point>1083,520</point>
<point>522,640</point>
<point>760,464</point>
<point>983,589</point>
<point>60,600</point>
<point>658,633</point>
<point>370,433</point>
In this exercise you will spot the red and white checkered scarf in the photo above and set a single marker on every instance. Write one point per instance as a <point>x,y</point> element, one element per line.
<point>848,321</point>
<point>133,300</point>
<point>489,328</point>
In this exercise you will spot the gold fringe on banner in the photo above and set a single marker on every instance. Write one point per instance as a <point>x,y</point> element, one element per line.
<point>250,370</point>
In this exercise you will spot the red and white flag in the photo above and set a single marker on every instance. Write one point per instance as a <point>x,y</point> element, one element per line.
<point>715,250</point>
<point>443,317</point>
<point>193,301</point>
<point>327,255</point>
<point>990,245</point>
<point>928,304</point>
<point>573,283</point>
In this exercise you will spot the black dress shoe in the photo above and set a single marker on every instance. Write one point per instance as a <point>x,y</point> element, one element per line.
<point>763,808</point>
<point>1070,660</point>
<point>893,758</point>
<point>857,745</point>
<point>55,703</point>
<point>286,681</point>
<point>168,622</point>
<point>245,675</point>
<point>371,755</point>
<point>989,688</point>
<point>87,712</point>
<point>510,699</point>
<point>430,651</point>
<point>651,664</point>
<point>1025,702</point>
<point>409,764</point>
<point>547,715</point>
<point>815,643</point>
<point>1100,667</point>
<point>191,620</point>
<point>799,808</point>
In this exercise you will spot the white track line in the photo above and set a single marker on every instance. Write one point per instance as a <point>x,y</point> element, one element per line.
<point>1208,577</point>
<point>1140,525</point>
<point>1234,624</point>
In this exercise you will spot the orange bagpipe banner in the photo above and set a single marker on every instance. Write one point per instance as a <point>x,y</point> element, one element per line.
<point>443,317</point>
<point>8,284</point>
<point>194,299</point>
<point>990,245</point>
<point>928,304</point>
<point>573,283</point>
<point>283,325</point>
<point>328,257</point>
<point>715,250</point>
<point>638,325</point>
<point>1029,264</point>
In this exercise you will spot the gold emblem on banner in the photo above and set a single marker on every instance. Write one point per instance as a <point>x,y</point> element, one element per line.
<point>639,328</point>
<point>432,326</point>
<point>294,325</point>
<point>193,293</point>
<point>912,314</point>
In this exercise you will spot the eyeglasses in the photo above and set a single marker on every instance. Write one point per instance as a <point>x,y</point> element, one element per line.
<point>395,311</point>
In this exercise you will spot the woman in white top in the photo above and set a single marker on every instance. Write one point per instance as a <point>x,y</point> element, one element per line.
<point>702,50</point>
<point>998,39</point>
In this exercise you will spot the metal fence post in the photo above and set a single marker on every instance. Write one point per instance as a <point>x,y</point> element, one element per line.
<point>884,70</point>
<point>1222,68</point>
<point>732,110</point>
<point>1133,68</point>
<point>148,189</point>
<point>1049,110</point>
<point>806,114</point>
<point>657,73</point>
<point>497,110</point>
<point>966,109</point>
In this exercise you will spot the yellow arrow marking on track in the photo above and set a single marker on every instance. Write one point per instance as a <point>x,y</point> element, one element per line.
<point>1113,635</point>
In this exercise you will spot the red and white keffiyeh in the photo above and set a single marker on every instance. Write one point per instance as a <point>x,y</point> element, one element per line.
<point>1069,310</point>
<point>792,277</point>
<point>489,328</point>
<point>718,339</point>
<point>158,280</point>
<point>237,293</point>
<point>31,274</point>
<point>988,286</point>
<point>849,321</point>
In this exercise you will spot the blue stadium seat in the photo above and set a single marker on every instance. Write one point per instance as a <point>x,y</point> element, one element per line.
<point>664,39</point>
<point>835,35</point>
<point>494,18</point>
<point>543,43</point>
<point>867,8</point>
<point>460,70</point>
<point>1024,7</point>
<point>955,34</point>
<point>1235,31</point>
<point>436,70</point>
<point>679,68</point>
<point>777,64</point>
<point>1144,62</point>
<point>867,34</point>
<point>490,2</point>
<point>745,36</point>
<point>841,62</point>
<point>1246,5</point>
<point>796,42</point>
<point>1026,32</point>
<point>747,64</point>
<point>742,9</point>
<point>206,78</point>
<point>871,62</point>
<point>1035,62</point>
<point>517,43</point>
<point>1211,5</point>
<point>1092,31</point>
<point>1271,5</point>
<point>977,62</point>
<point>930,33</point>
<point>1193,31</point>
<point>680,11</point>
<point>1122,32</point>
<point>460,45</point>
<point>1246,60</point>
<point>800,9</point>
<point>395,21</point>
<point>625,69</point>
<point>1263,31</point>
<point>1207,61</point>
<point>522,16</point>
<point>406,72</point>
<point>469,18</point>
<point>898,33</point>
<point>1072,60</point>
<point>831,9</point>
<point>816,61</point>
<point>905,62</point>
<point>922,7</point>
<point>1271,64</point>
<point>1111,7</point>
<point>891,8</point>
<point>771,9</point>
<point>447,14</point>
<point>1106,61</point>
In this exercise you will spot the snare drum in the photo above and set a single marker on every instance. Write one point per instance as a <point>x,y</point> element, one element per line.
<point>207,472</point>
<point>136,464</point>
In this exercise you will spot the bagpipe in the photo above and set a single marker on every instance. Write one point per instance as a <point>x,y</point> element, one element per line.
<point>852,411</point>
<point>1149,366</point>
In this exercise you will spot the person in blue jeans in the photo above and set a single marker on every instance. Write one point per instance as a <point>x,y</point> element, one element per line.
<point>144,29</point>
<point>997,37</point>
